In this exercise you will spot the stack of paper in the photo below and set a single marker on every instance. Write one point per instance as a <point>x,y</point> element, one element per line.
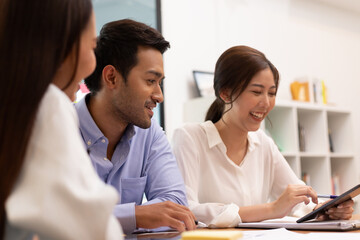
<point>283,234</point>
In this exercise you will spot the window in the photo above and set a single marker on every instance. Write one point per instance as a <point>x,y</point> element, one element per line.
<point>146,11</point>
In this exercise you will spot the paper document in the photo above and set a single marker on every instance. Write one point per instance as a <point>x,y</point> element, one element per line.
<point>290,223</point>
<point>275,234</point>
<point>283,234</point>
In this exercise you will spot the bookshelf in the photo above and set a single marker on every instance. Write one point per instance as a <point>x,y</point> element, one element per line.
<point>322,166</point>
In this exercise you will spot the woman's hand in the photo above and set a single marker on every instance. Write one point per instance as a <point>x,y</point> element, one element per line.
<point>343,211</point>
<point>293,195</point>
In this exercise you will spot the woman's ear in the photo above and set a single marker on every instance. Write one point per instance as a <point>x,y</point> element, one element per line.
<point>225,95</point>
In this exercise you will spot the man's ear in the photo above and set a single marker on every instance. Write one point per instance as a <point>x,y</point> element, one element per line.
<point>225,95</point>
<point>110,76</point>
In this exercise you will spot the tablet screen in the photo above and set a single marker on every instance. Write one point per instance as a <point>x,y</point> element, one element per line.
<point>353,192</point>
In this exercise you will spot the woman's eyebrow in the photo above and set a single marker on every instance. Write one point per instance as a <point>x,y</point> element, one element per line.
<point>261,86</point>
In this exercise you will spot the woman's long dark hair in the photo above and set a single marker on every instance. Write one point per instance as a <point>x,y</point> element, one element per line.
<point>234,70</point>
<point>35,38</point>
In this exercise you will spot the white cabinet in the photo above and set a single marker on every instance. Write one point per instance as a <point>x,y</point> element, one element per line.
<point>316,140</point>
<point>323,166</point>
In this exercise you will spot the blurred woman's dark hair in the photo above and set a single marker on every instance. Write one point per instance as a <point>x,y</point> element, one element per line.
<point>35,38</point>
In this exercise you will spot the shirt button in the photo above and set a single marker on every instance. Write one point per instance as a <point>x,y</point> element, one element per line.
<point>103,141</point>
<point>89,142</point>
<point>105,159</point>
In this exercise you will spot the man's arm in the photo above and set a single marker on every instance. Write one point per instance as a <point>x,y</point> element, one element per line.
<point>164,180</point>
<point>165,189</point>
<point>125,213</point>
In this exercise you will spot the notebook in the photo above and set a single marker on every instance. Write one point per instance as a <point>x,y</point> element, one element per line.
<point>290,223</point>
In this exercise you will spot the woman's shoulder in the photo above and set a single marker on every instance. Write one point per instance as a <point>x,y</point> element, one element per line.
<point>196,133</point>
<point>56,103</point>
<point>190,128</point>
<point>195,129</point>
<point>56,96</point>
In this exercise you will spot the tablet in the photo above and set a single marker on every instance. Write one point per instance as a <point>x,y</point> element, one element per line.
<point>353,192</point>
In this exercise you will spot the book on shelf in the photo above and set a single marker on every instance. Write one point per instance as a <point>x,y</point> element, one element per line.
<point>331,145</point>
<point>302,146</point>
<point>335,184</point>
<point>306,178</point>
<point>319,91</point>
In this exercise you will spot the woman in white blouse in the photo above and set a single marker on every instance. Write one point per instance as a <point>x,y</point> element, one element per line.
<point>234,172</point>
<point>48,186</point>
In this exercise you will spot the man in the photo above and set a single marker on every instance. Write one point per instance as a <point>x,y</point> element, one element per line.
<point>128,149</point>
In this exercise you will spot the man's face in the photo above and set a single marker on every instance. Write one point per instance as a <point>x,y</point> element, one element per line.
<point>134,100</point>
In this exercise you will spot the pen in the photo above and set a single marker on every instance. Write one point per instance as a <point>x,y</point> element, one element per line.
<point>200,224</point>
<point>327,196</point>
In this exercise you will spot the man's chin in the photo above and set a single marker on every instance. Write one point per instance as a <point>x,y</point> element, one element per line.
<point>144,124</point>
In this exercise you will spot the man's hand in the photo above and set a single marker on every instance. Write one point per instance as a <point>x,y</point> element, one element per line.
<point>165,214</point>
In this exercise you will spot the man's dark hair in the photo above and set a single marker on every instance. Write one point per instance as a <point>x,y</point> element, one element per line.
<point>117,45</point>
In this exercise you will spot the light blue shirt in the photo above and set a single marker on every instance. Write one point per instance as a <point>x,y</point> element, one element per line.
<point>142,162</point>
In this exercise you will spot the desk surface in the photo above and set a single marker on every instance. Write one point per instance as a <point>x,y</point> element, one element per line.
<point>177,235</point>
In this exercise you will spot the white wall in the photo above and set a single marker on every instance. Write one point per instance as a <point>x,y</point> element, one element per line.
<point>303,38</point>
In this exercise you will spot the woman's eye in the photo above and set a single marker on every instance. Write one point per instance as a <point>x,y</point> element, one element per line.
<point>256,92</point>
<point>272,94</point>
<point>151,81</point>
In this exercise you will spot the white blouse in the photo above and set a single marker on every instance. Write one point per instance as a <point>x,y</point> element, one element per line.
<point>58,194</point>
<point>217,187</point>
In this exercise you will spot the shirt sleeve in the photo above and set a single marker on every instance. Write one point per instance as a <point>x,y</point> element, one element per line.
<point>58,193</point>
<point>164,181</point>
<point>283,175</point>
<point>126,216</point>
<point>188,158</point>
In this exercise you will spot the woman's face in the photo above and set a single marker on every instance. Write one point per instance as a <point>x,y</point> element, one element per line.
<point>86,62</point>
<point>254,103</point>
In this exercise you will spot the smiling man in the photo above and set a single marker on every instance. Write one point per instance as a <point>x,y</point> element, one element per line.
<point>128,149</point>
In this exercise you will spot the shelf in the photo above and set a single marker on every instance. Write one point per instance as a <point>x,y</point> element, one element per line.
<point>343,168</point>
<point>318,160</point>
<point>312,154</point>
<point>341,155</point>
<point>318,168</point>
<point>282,128</point>
<point>289,154</point>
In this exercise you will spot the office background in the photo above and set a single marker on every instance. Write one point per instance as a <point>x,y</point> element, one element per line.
<point>304,39</point>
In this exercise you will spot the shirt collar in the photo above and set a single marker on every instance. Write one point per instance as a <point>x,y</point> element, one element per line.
<point>130,131</point>
<point>88,128</point>
<point>214,138</point>
<point>212,133</point>
<point>253,140</point>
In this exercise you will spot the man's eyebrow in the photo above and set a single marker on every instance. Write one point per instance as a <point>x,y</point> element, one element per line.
<point>157,74</point>
<point>261,86</point>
